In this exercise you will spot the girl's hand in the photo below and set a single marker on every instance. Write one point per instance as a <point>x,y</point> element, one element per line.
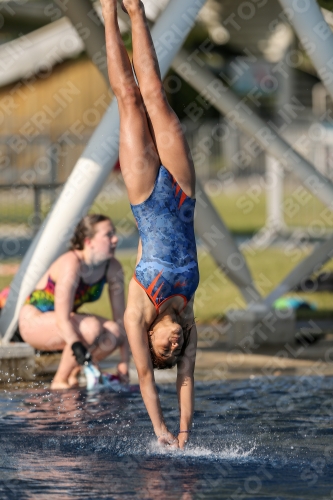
<point>183,438</point>
<point>168,439</point>
<point>122,372</point>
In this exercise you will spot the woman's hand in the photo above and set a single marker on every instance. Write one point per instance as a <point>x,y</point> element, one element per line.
<point>122,372</point>
<point>168,439</point>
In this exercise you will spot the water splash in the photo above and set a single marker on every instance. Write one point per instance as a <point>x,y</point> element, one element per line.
<point>199,452</point>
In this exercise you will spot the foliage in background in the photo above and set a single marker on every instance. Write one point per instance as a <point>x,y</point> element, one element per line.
<point>326,4</point>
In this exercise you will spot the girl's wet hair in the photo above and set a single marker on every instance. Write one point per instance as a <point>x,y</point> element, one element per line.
<point>86,229</point>
<point>160,363</point>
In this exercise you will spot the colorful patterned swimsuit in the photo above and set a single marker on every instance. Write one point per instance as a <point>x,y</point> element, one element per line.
<point>168,266</point>
<point>85,292</point>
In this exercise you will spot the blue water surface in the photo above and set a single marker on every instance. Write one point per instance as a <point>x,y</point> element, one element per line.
<point>252,439</point>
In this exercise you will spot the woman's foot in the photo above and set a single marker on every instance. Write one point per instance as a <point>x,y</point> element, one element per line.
<point>122,373</point>
<point>67,384</point>
<point>73,378</point>
<point>59,384</point>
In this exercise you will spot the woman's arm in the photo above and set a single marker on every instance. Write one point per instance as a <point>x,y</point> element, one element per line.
<point>137,336</point>
<point>66,284</point>
<point>115,279</point>
<point>185,384</point>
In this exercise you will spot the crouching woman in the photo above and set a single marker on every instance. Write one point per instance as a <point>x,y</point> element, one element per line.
<point>49,320</point>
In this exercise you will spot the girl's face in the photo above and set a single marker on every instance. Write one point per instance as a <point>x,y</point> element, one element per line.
<point>103,244</point>
<point>167,339</point>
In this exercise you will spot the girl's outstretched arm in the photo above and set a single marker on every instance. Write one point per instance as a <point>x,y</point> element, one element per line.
<point>166,129</point>
<point>185,386</point>
<point>137,336</point>
<point>137,153</point>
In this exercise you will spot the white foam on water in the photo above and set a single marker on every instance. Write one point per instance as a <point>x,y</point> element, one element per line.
<point>198,452</point>
<point>153,449</point>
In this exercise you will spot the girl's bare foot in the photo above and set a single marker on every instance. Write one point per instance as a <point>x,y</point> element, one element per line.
<point>123,7</point>
<point>130,6</point>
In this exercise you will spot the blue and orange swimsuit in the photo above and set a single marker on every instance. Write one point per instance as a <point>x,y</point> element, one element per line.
<point>169,264</point>
<point>44,299</point>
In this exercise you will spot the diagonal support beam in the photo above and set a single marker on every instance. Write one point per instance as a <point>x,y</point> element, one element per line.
<point>315,35</point>
<point>222,246</point>
<point>90,28</point>
<point>213,90</point>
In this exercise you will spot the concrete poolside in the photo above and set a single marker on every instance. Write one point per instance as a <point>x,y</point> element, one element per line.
<point>216,361</point>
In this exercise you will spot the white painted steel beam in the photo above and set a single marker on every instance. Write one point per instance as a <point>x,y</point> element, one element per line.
<point>213,90</point>
<point>274,194</point>
<point>91,171</point>
<point>40,50</point>
<point>88,25</point>
<point>315,34</point>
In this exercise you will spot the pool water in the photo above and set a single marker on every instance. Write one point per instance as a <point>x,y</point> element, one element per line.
<point>252,439</point>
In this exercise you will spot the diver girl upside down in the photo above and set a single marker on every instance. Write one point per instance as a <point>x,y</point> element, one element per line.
<point>159,175</point>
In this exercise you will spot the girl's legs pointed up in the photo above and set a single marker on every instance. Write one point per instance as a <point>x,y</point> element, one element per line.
<point>138,156</point>
<point>168,135</point>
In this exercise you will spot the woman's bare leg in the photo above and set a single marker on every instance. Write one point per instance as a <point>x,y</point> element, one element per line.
<point>63,379</point>
<point>138,156</point>
<point>73,378</point>
<point>102,335</point>
<point>171,144</point>
<point>41,331</point>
